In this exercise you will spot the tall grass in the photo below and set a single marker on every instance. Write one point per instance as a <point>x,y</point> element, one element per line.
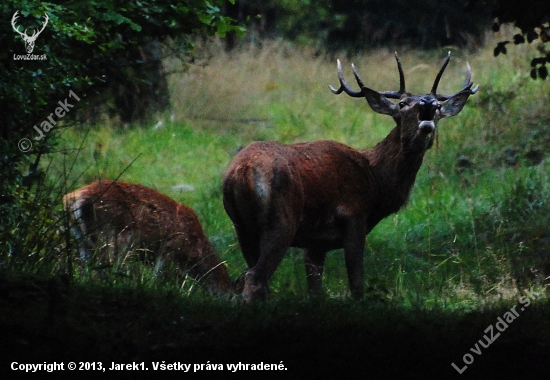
<point>475,228</point>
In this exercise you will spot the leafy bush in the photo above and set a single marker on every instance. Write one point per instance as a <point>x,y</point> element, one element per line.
<point>89,46</point>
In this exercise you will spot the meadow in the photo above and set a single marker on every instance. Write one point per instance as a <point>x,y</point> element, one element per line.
<point>473,237</point>
<point>475,228</point>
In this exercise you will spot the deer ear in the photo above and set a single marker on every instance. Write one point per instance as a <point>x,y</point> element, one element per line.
<point>378,102</point>
<point>454,105</point>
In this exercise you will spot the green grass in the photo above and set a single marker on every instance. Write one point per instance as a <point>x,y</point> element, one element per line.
<point>468,235</point>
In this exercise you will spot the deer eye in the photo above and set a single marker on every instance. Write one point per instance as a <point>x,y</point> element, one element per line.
<point>402,104</point>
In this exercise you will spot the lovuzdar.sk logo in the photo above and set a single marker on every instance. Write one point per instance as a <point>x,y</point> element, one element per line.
<point>29,40</point>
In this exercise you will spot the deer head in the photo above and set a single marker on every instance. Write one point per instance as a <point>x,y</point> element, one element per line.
<point>29,40</point>
<point>427,109</point>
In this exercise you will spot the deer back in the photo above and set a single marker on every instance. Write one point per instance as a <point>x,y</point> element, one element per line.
<point>313,185</point>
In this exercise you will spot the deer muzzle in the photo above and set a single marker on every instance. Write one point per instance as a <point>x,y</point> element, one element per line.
<point>426,126</point>
<point>428,107</point>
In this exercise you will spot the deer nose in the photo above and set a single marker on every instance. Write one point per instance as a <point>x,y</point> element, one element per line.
<point>428,105</point>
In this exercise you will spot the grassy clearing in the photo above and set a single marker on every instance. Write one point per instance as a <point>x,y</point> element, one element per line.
<point>438,273</point>
<point>475,229</point>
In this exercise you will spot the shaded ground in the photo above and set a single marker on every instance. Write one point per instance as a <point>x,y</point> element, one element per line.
<point>43,320</point>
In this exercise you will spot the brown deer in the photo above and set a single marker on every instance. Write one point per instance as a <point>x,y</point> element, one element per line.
<point>324,195</point>
<point>113,218</point>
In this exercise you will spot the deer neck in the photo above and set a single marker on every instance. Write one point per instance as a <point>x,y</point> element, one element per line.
<point>394,169</point>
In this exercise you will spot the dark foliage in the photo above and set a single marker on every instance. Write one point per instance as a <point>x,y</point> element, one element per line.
<point>358,24</point>
<point>92,49</point>
<point>532,18</point>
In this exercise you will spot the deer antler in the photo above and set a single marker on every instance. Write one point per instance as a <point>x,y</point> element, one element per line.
<point>344,87</point>
<point>401,75</point>
<point>440,73</point>
<point>397,94</point>
<point>467,82</point>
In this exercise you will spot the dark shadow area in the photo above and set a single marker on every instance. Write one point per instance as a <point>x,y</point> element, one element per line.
<point>44,321</point>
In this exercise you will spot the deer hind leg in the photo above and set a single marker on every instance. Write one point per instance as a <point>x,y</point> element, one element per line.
<point>273,245</point>
<point>249,241</point>
<point>314,262</point>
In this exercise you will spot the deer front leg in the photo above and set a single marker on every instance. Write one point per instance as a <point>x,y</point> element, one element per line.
<point>314,261</point>
<point>354,246</point>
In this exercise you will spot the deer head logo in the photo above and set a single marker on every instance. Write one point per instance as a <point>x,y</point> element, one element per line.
<point>29,40</point>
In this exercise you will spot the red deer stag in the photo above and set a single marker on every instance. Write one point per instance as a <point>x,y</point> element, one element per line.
<point>324,195</point>
<point>114,217</point>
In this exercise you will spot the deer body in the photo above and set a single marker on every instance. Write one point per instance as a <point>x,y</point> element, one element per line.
<point>115,217</point>
<point>324,195</point>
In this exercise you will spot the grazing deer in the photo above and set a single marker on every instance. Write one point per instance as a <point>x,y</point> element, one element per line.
<point>324,195</point>
<point>115,217</point>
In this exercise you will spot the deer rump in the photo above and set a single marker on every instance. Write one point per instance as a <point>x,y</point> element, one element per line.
<point>300,194</point>
<point>111,219</point>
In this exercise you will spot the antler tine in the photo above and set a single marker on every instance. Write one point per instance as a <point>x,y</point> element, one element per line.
<point>402,90</point>
<point>343,84</point>
<point>339,91</point>
<point>356,94</point>
<point>401,75</point>
<point>468,80</point>
<point>466,88</point>
<point>356,75</point>
<point>440,73</point>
